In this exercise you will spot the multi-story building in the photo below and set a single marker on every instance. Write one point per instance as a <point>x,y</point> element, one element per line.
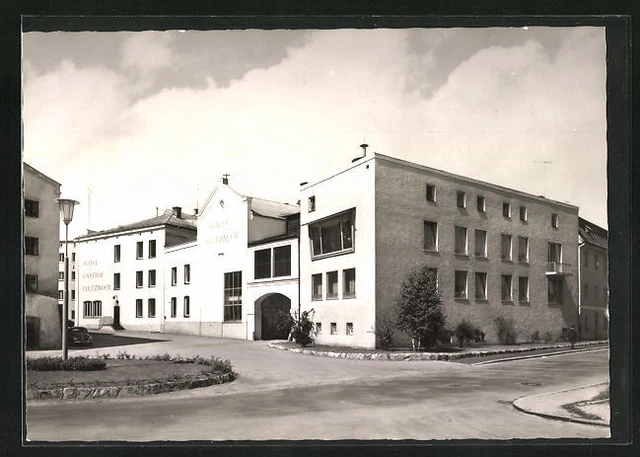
<point>594,292</point>
<point>498,252</point>
<point>41,235</point>
<point>72,279</point>
<point>120,276</point>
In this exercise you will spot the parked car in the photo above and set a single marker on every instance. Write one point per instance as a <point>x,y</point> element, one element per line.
<point>79,336</point>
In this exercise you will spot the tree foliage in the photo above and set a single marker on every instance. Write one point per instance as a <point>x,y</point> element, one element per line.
<point>419,309</point>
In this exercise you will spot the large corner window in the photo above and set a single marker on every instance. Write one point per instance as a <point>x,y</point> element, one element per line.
<point>233,296</point>
<point>333,235</point>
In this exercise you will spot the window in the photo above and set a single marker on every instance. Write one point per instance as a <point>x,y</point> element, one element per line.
<point>61,256</point>
<point>554,253</point>
<point>151,309</point>
<point>282,261</point>
<point>116,253</point>
<point>555,291</point>
<point>332,235</point>
<point>480,204</point>
<point>461,199</point>
<point>92,308</point>
<point>31,208</point>
<point>61,275</point>
<point>187,308</point>
<point>311,204</point>
<point>139,279</point>
<point>334,328</point>
<point>73,256</point>
<point>116,281</point>
<point>523,249</point>
<point>430,236</point>
<point>507,288</point>
<point>233,296</point>
<point>316,287</point>
<point>332,285</point>
<point>73,275</point>
<point>506,247</point>
<point>73,294</point>
<point>31,283</point>
<point>318,328</point>
<point>431,193</point>
<point>262,264</point>
<point>349,328</point>
<point>174,276</point>
<point>139,250</point>
<point>73,314</point>
<point>461,240</point>
<point>152,278</point>
<point>460,284</point>
<point>481,286</point>
<point>554,220</point>
<point>31,245</point>
<point>152,249</point>
<point>187,274</point>
<point>174,307</point>
<point>523,289</point>
<point>138,307</point>
<point>506,209</point>
<point>61,295</point>
<point>481,243</point>
<point>349,283</point>
<point>523,214</point>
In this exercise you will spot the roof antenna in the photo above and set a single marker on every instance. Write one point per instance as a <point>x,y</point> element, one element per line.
<point>364,147</point>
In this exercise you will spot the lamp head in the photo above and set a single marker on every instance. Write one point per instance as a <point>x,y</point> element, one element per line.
<point>66,209</point>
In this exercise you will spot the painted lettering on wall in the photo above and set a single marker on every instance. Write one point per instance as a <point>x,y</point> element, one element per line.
<point>221,232</point>
<point>92,279</point>
<point>96,287</point>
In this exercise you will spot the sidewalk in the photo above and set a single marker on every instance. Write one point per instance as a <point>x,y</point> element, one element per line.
<point>574,405</point>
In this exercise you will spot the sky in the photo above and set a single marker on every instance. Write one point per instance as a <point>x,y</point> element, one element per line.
<point>129,122</point>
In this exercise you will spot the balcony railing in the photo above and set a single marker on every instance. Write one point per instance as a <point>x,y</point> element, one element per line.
<point>558,269</point>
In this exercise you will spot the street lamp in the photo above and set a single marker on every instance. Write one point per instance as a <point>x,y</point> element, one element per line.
<point>66,213</point>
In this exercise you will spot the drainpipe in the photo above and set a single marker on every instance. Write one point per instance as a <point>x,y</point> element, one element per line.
<point>299,303</point>
<point>580,245</point>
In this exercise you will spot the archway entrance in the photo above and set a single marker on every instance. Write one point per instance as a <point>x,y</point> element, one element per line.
<point>268,311</point>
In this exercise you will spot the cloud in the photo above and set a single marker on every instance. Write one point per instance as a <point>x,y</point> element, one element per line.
<point>147,51</point>
<point>300,115</point>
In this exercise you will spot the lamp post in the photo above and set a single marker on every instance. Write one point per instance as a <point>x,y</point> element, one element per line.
<point>66,212</point>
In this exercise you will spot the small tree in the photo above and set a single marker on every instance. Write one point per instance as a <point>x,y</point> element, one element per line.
<point>299,327</point>
<point>385,326</point>
<point>419,310</point>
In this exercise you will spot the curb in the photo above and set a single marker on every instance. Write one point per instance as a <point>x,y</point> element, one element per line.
<point>135,390</point>
<point>424,356</point>
<point>565,418</point>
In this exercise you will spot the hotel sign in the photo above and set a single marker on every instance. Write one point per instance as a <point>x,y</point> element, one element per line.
<point>93,280</point>
<point>221,232</point>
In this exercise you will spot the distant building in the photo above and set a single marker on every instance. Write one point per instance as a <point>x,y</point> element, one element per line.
<point>72,279</point>
<point>120,277</point>
<point>41,235</point>
<point>594,292</point>
<point>498,252</point>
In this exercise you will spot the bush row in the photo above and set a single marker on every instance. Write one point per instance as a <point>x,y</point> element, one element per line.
<point>71,364</point>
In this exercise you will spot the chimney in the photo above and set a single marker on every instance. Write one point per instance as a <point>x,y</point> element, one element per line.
<point>177,212</point>
<point>225,179</point>
<point>195,211</point>
<point>364,147</point>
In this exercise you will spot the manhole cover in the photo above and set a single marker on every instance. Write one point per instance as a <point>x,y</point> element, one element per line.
<point>531,383</point>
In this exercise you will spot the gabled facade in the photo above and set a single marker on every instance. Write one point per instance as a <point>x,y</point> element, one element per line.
<point>594,290</point>
<point>498,252</point>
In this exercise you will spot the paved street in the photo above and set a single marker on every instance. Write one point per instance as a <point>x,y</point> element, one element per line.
<point>282,395</point>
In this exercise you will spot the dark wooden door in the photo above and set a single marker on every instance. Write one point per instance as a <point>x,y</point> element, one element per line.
<point>271,308</point>
<point>116,316</point>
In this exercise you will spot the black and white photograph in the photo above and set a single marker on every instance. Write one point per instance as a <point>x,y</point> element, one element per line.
<point>255,234</point>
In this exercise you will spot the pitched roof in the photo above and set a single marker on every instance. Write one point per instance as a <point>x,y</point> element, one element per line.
<point>269,208</point>
<point>40,174</point>
<point>187,221</point>
<point>593,234</point>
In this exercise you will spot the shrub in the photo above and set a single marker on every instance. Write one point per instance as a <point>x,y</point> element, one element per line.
<point>419,309</point>
<point>548,337</point>
<point>385,326</point>
<point>535,337</point>
<point>506,331</point>
<point>215,364</point>
<point>300,326</point>
<point>466,332</point>
<point>71,364</point>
